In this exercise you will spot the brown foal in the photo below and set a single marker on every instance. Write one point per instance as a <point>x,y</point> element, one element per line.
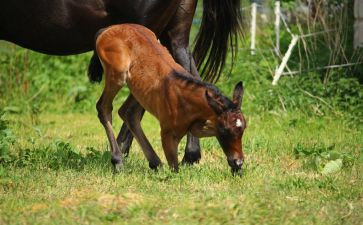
<point>131,54</point>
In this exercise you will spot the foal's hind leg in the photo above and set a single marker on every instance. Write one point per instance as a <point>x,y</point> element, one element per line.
<point>131,112</point>
<point>104,108</point>
<point>124,139</point>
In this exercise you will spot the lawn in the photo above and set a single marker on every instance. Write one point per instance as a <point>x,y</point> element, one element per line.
<point>303,144</point>
<point>61,174</point>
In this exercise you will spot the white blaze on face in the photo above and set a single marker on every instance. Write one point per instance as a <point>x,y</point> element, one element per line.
<point>238,123</point>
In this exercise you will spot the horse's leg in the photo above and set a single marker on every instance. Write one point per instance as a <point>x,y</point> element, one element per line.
<point>176,38</point>
<point>104,108</point>
<point>170,146</point>
<point>131,112</point>
<point>125,137</point>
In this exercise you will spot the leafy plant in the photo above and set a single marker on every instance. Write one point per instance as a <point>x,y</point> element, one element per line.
<point>326,160</point>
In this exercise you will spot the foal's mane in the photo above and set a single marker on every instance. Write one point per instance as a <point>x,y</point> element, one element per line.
<point>189,80</point>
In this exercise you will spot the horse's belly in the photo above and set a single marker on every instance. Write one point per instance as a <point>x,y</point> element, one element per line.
<point>54,27</point>
<point>68,26</point>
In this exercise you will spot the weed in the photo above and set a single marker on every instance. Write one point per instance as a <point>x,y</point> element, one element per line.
<point>323,159</point>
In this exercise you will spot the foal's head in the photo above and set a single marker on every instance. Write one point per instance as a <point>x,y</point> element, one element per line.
<point>229,125</point>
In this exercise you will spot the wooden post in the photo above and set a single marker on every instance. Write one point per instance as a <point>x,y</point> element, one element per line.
<point>253,27</point>
<point>277,26</point>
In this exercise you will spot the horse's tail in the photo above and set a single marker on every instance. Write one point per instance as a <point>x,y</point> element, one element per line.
<point>95,69</point>
<point>220,27</point>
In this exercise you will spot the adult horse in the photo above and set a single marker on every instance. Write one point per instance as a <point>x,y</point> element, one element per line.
<point>64,27</point>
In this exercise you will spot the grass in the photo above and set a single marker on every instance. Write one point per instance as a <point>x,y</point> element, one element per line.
<point>303,146</point>
<point>59,173</point>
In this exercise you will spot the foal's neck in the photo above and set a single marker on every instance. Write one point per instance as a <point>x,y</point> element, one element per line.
<point>192,92</point>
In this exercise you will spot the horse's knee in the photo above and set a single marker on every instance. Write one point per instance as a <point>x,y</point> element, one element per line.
<point>103,110</point>
<point>100,112</point>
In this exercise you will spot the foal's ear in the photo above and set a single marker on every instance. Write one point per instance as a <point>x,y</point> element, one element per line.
<point>214,103</point>
<point>238,94</point>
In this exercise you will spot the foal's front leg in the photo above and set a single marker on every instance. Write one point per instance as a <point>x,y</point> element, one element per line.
<point>104,108</point>
<point>170,146</point>
<point>176,38</point>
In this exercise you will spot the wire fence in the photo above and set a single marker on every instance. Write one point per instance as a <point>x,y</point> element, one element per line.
<point>284,56</point>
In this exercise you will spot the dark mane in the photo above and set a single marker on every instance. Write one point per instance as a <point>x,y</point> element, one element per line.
<point>190,80</point>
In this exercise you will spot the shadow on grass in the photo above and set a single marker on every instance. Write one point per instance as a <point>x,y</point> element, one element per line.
<point>58,155</point>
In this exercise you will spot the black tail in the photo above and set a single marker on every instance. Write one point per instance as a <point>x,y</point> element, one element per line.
<point>95,69</point>
<point>221,25</point>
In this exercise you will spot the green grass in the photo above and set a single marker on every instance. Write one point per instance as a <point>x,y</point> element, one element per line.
<point>59,173</point>
<point>303,148</point>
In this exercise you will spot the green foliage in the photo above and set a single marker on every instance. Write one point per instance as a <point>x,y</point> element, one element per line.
<point>323,159</point>
<point>34,81</point>
<point>310,93</point>
<point>7,139</point>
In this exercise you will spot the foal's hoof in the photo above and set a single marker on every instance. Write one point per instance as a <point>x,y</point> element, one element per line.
<point>154,165</point>
<point>117,168</point>
<point>117,165</point>
<point>125,148</point>
<point>191,157</point>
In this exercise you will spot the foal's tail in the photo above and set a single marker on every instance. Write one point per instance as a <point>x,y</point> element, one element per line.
<point>95,69</point>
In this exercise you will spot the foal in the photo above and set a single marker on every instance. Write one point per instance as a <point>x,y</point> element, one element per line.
<point>130,54</point>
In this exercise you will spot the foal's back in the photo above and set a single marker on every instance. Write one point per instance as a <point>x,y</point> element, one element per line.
<point>131,54</point>
<point>135,49</point>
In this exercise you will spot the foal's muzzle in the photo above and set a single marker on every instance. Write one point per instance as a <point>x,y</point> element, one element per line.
<point>235,164</point>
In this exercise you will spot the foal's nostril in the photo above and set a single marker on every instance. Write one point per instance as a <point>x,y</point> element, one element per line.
<point>235,164</point>
<point>238,162</point>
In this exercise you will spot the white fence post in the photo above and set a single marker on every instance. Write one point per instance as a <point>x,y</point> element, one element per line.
<point>286,57</point>
<point>253,28</point>
<point>277,26</point>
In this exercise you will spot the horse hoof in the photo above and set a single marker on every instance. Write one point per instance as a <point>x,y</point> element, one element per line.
<point>191,157</point>
<point>125,149</point>
<point>117,164</point>
<point>117,168</point>
<point>154,165</point>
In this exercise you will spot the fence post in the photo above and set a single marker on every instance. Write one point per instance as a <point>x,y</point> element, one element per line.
<point>277,26</point>
<point>253,27</point>
<point>286,57</point>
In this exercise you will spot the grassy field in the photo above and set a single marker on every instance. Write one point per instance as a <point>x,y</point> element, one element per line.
<point>61,175</point>
<point>303,147</point>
